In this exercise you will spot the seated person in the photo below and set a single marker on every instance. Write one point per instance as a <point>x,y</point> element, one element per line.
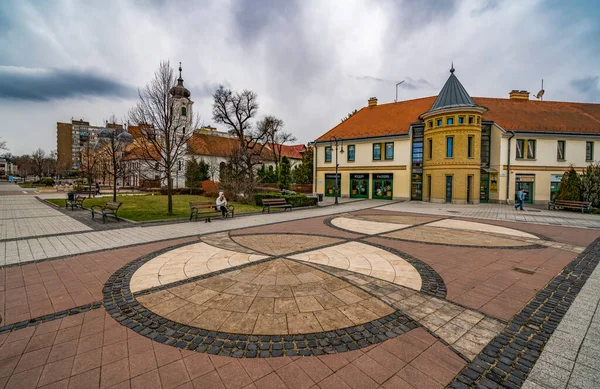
<point>222,204</point>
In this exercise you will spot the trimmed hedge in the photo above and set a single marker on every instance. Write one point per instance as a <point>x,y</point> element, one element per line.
<point>297,200</point>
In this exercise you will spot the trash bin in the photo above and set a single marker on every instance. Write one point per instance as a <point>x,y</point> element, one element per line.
<point>320,196</point>
<point>71,196</point>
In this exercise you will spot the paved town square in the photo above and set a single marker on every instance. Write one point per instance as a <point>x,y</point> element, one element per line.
<point>365,294</point>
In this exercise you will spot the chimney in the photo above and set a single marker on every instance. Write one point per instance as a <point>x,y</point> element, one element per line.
<point>519,94</point>
<point>372,101</point>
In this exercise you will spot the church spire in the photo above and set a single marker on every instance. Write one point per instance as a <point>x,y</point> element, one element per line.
<point>180,72</point>
<point>451,67</point>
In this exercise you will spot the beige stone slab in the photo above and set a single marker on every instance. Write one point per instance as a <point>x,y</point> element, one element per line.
<point>169,306</point>
<point>286,305</point>
<point>358,314</point>
<point>239,304</point>
<point>270,324</point>
<point>347,296</point>
<point>332,319</point>
<point>211,319</point>
<point>243,289</point>
<point>329,301</point>
<point>303,323</point>
<point>275,291</point>
<point>187,313</point>
<point>262,305</point>
<point>239,323</point>
<point>308,304</point>
<point>480,227</point>
<point>202,296</point>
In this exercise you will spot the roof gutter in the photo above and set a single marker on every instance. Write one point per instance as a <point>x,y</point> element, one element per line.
<point>407,135</point>
<point>512,135</point>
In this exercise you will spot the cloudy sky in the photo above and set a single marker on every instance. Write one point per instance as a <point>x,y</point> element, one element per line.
<point>310,61</point>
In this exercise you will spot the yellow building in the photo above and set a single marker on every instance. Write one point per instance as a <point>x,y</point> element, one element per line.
<point>458,149</point>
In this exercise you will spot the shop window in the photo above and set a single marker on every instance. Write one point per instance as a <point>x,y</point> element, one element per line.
<point>470,119</point>
<point>450,147</point>
<point>520,144</point>
<point>461,120</point>
<point>449,121</point>
<point>377,151</point>
<point>430,148</point>
<point>589,151</point>
<point>389,150</point>
<point>351,153</point>
<point>327,153</point>
<point>531,149</point>
<point>470,147</point>
<point>439,122</point>
<point>560,150</point>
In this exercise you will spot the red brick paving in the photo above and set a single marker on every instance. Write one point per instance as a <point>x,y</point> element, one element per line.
<point>304,226</point>
<point>91,350</point>
<point>483,279</point>
<point>38,289</point>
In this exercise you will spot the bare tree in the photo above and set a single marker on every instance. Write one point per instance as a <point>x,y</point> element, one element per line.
<point>3,145</point>
<point>112,150</point>
<point>52,163</point>
<point>236,111</point>
<point>213,169</point>
<point>276,136</point>
<point>38,162</point>
<point>166,126</point>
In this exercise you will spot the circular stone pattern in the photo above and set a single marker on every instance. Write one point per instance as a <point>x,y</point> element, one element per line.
<point>246,304</point>
<point>451,232</point>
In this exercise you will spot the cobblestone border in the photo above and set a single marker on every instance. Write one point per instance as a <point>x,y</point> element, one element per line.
<point>121,304</point>
<point>508,359</point>
<point>49,317</point>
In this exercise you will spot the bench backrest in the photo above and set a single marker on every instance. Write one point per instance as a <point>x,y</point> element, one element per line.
<point>573,202</point>
<point>278,201</point>
<point>79,198</point>
<point>200,204</point>
<point>112,205</point>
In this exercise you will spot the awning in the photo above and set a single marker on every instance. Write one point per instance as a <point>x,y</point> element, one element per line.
<point>489,170</point>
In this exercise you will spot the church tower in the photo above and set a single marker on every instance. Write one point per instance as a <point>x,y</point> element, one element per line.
<point>182,119</point>
<point>452,146</point>
<point>182,105</point>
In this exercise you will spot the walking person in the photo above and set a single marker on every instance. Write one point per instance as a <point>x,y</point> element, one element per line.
<point>521,199</point>
<point>222,204</point>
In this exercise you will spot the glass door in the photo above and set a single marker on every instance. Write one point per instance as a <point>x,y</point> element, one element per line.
<point>383,185</point>
<point>449,189</point>
<point>529,189</point>
<point>359,186</point>
<point>416,191</point>
<point>330,188</point>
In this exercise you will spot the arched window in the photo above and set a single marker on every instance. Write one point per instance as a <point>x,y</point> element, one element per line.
<point>183,111</point>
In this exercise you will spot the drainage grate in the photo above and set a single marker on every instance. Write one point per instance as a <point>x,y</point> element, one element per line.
<point>453,211</point>
<point>521,270</point>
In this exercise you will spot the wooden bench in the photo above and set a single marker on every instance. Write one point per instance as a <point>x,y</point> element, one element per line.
<point>275,203</point>
<point>207,209</point>
<point>108,210</point>
<point>570,204</point>
<point>75,203</point>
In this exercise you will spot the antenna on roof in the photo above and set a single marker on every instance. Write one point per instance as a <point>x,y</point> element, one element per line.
<point>540,94</point>
<point>395,101</point>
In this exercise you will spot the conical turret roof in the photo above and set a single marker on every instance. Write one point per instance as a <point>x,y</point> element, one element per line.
<point>453,94</point>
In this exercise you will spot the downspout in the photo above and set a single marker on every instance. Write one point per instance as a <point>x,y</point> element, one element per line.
<point>315,161</point>
<point>508,169</point>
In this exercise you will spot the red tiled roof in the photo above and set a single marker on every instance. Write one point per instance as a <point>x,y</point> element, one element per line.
<point>204,144</point>
<point>290,151</point>
<point>517,115</point>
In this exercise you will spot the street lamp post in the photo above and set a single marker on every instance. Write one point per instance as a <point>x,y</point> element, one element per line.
<point>115,140</point>
<point>335,140</point>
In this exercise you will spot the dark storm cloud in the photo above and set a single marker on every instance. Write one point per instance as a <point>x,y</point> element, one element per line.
<point>412,15</point>
<point>587,86</point>
<point>50,84</point>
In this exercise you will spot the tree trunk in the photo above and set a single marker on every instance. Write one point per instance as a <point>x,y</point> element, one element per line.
<point>114,160</point>
<point>169,193</point>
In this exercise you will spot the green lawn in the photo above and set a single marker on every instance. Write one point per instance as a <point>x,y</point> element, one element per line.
<point>148,207</point>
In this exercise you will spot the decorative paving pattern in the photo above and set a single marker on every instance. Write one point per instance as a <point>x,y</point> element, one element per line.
<point>466,330</point>
<point>452,237</point>
<point>187,262</point>
<point>366,227</point>
<point>281,244</point>
<point>124,308</point>
<point>509,358</point>
<point>224,241</point>
<point>272,298</point>
<point>398,219</point>
<point>481,227</point>
<point>366,259</point>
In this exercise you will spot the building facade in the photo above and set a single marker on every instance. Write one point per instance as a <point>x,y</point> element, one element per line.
<point>72,140</point>
<point>7,169</point>
<point>452,148</point>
